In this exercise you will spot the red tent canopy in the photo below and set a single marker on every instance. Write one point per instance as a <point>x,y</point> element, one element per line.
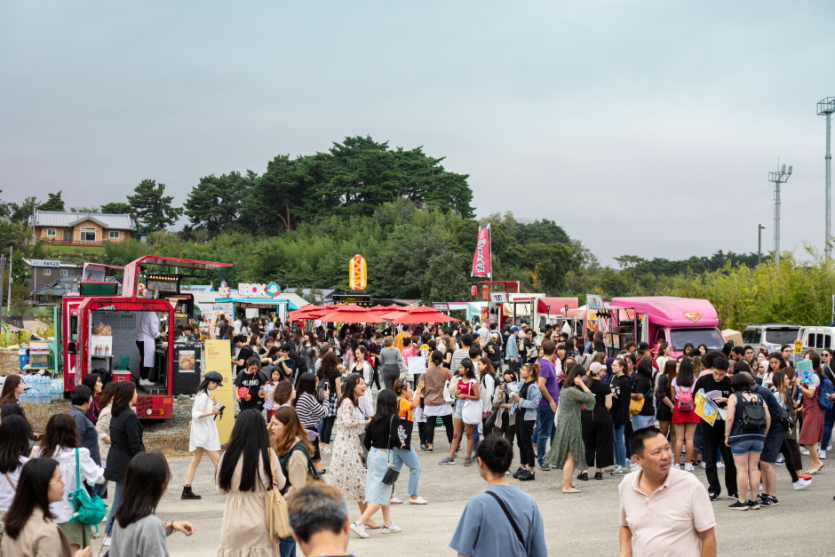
<point>422,317</point>
<point>351,314</point>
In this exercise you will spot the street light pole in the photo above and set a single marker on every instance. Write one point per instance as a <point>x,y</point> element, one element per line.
<point>827,107</point>
<point>760,229</point>
<point>779,177</point>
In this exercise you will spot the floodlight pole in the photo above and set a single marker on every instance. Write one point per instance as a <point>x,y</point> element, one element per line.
<point>779,177</point>
<point>760,229</point>
<point>826,107</point>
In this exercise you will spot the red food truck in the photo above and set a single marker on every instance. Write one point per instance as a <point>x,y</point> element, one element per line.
<point>99,329</point>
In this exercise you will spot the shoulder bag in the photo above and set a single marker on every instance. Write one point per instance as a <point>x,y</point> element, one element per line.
<point>278,519</point>
<point>87,509</point>
<point>449,389</point>
<point>509,517</point>
<point>392,473</point>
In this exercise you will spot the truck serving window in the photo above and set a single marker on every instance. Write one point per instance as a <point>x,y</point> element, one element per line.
<point>709,337</point>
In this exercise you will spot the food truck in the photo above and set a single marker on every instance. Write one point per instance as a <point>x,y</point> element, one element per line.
<point>677,321</point>
<point>100,330</point>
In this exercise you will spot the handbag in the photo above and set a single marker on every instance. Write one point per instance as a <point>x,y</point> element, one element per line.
<point>278,518</point>
<point>88,509</point>
<point>448,398</point>
<point>392,473</point>
<point>635,406</point>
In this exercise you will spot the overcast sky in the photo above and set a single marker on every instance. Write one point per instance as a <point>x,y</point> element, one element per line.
<point>641,127</point>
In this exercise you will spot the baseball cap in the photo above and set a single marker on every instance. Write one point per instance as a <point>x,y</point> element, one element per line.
<point>515,328</point>
<point>643,346</point>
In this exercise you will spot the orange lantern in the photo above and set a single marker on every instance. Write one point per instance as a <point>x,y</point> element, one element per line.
<point>357,273</point>
<point>474,291</point>
<point>484,292</point>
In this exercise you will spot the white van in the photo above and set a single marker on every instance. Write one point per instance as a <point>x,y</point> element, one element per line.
<point>769,337</point>
<point>817,338</point>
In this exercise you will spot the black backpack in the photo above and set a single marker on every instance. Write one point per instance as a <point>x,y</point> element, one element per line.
<point>753,414</point>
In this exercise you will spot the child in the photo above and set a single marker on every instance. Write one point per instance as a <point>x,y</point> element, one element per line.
<point>249,386</point>
<point>269,387</point>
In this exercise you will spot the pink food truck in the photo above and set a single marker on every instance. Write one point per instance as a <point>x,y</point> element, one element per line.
<point>675,320</point>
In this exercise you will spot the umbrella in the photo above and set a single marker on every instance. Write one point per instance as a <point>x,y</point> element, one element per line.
<point>308,312</point>
<point>422,317</point>
<point>351,314</point>
<point>394,312</point>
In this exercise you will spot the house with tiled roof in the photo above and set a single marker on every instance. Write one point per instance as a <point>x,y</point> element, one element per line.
<point>59,228</point>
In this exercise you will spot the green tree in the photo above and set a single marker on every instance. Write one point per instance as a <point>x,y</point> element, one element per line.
<point>277,199</point>
<point>54,203</point>
<point>22,212</point>
<point>116,208</point>
<point>215,203</point>
<point>152,209</point>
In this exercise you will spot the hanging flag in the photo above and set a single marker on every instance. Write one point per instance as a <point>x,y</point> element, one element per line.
<point>482,258</point>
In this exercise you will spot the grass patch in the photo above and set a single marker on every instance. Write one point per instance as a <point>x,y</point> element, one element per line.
<point>74,250</point>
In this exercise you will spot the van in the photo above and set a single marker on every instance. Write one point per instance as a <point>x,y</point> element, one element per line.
<point>817,338</point>
<point>769,337</point>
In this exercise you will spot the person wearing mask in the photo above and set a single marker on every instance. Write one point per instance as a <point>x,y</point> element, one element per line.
<point>203,436</point>
<point>811,432</point>
<point>15,435</point>
<point>745,438</point>
<point>125,443</point>
<point>29,523</point>
<point>60,443</point>
<point>685,420</point>
<point>525,404</point>
<point>434,402</point>
<point>310,412</point>
<point>598,432</point>
<point>466,392</point>
<point>380,439</point>
<point>503,521</point>
<point>138,532</point>
<point>717,386</point>
<point>407,402</point>
<point>248,468</point>
<point>319,520</point>
<point>568,448</point>
<point>549,389</point>
<point>93,382</point>
<point>621,387</point>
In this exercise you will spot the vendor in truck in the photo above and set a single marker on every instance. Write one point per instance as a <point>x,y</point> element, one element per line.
<point>146,338</point>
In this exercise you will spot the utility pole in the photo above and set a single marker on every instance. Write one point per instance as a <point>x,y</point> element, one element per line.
<point>779,177</point>
<point>760,229</point>
<point>2,270</point>
<point>11,261</point>
<point>826,107</point>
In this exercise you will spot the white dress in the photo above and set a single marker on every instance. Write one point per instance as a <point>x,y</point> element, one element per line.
<point>203,430</point>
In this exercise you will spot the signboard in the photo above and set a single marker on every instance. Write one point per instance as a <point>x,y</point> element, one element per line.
<point>498,297</point>
<point>45,263</point>
<point>361,300</point>
<point>440,307</point>
<point>357,273</point>
<point>798,346</point>
<point>219,359</point>
<point>251,290</point>
<point>594,301</point>
<point>482,258</point>
<point>273,289</point>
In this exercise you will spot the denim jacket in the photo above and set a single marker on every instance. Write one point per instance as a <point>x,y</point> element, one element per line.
<point>530,403</point>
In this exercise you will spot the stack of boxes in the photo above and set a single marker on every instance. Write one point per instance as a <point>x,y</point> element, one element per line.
<point>38,355</point>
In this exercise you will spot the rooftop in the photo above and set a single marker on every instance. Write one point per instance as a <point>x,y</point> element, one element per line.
<point>67,220</point>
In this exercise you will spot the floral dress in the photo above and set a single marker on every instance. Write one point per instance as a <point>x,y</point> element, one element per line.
<point>345,470</point>
<point>569,435</point>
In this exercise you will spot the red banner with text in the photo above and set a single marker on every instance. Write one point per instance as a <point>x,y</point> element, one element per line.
<point>482,258</point>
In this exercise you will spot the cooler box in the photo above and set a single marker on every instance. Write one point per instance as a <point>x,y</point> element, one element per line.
<point>24,357</point>
<point>120,375</point>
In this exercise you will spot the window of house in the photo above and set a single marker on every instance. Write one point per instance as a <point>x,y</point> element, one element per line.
<point>47,272</point>
<point>88,234</point>
<point>51,232</point>
<point>113,234</point>
<point>64,272</point>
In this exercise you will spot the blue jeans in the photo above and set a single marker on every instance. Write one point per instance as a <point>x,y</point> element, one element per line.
<point>410,458</point>
<point>543,431</point>
<point>287,547</point>
<point>117,498</point>
<point>828,423</point>
<point>642,422</point>
<point>620,446</point>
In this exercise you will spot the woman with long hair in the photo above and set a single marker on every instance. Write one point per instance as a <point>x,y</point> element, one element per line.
<point>526,397</point>
<point>60,443</point>
<point>434,403</point>
<point>685,420</point>
<point>93,382</point>
<point>125,443</point>
<point>621,390</point>
<point>811,433</point>
<point>642,390</point>
<point>329,372</point>
<point>103,426</point>
<point>203,437</point>
<point>137,531</point>
<point>568,448</point>
<point>783,393</point>
<point>390,362</point>
<point>294,450</point>
<point>450,348</point>
<point>13,387</point>
<point>246,471</point>
<point>381,437</point>
<point>487,387</point>
<point>309,351</point>
<point>310,412</point>
<point>663,397</point>
<point>29,523</point>
<point>15,435</point>
<point>407,402</point>
<point>598,432</point>
<point>346,471</point>
<point>746,442</point>
<point>466,391</point>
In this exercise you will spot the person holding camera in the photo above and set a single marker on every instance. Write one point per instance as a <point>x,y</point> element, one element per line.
<point>203,437</point>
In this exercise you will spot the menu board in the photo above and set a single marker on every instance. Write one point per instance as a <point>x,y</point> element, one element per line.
<point>219,359</point>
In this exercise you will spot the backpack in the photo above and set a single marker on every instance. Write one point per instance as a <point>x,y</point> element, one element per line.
<point>283,460</point>
<point>753,414</point>
<point>685,400</point>
<point>825,391</point>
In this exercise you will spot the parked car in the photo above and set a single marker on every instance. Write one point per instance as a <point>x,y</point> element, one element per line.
<point>769,337</point>
<point>817,338</point>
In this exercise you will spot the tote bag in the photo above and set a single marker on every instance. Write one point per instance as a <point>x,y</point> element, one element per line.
<point>278,519</point>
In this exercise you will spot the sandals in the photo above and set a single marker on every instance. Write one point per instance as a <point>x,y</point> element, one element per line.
<point>570,491</point>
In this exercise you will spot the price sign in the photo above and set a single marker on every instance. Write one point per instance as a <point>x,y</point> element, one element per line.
<point>798,346</point>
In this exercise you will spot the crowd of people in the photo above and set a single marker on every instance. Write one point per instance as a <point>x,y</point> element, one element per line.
<point>563,401</point>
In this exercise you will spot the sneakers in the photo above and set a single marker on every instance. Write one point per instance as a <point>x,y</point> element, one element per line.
<point>583,476</point>
<point>423,446</point>
<point>106,542</point>
<point>519,471</point>
<point>418,500</point>
<point>326,451</point>
<point>620,471</point>
<point>804,451</point>
<point>677,466</point>
<point>821,454</point>
<point>733,496</point>
<point>468,461</point>
<point>803,476</point>
<point>634,467</point>
<point>801,483</point>
<point>713,496</point>
<point>544,467</point>
<point>720,464</point>
<point>391,528</point>
<point>598,475</point>
<point>767,501</point>
<point>688,467</point>
<point>615,469</point>
<point>737,506</point>
<point>146,383</point>
<point>753,505</point>
<point>447,460</point>
<point>359,529</point>
<point>527,476</point>
<point>395,500</point>
<point>703,464</point>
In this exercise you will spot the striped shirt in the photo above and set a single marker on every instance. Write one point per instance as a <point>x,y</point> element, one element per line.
<point>310,411</point>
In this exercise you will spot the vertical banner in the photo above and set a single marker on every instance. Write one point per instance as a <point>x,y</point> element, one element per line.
<point>482,258</point>
<point>218,358</point>
<point>357,273</point>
